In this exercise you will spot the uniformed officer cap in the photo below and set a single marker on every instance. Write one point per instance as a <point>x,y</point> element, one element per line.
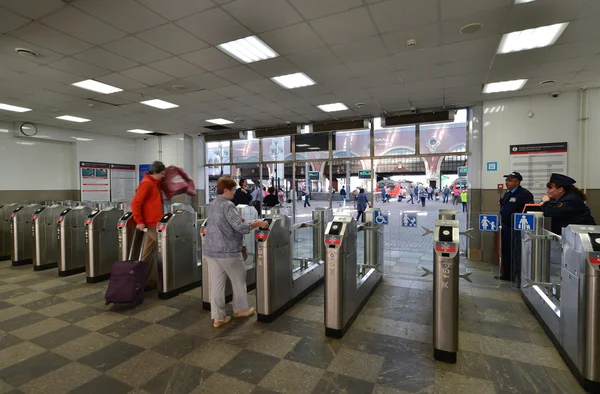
<point>562,179</point>
<point>514,174</point>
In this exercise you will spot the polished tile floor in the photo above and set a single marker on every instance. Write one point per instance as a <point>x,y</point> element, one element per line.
<point>57,336</point>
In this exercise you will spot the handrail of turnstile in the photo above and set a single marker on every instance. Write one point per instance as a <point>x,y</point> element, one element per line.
<point>550,237</point>
<point>360,227</point>
<point>311,223</point>
<point>466,233</point>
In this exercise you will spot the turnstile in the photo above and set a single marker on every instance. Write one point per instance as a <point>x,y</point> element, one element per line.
<point>445,290</point>
<point>5,234</point>
<point>349,285</point>
<point>279,285</point>
<point>102,239</point>
<point>71,240</point>
<point>22,236</point>
<point>126,228</point>
<point>45,240</point>
<point>178,250</point>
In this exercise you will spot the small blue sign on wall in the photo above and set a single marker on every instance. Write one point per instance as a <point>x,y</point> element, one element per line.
<point>381,218</point>
<point>492,166</point>
<point>144,168</point>
<point>524,222</point>
<point>409,220</point>
<point>488,222</point>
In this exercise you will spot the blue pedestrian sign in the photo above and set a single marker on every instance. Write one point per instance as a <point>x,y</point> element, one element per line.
<point>488,222</point>
<point>381,218</point>
<point>524,222</point>
<point>409,220</point>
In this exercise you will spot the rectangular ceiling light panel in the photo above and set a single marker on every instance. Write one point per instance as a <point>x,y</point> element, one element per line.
<point>506,86</point>
<point>73,118</point>
<point>332,107</point>
<point>96,86</point>
<point>140,131</point>
<point>523,1</point>
<point>525,40</point>
<point>161,104</point>
<point>13,108</point>
<point>219,121</point>
<point>248,50</point>
<point>293,81</point>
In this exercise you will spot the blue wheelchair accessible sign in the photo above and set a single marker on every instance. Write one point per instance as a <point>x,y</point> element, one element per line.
<point>381,218</point>
<point>488,222</point>
<point>524,222</point>
<point>409,220</point>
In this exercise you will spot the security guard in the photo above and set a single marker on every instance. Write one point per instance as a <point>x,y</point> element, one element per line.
<point>513,201</point>
<point>565,203</point>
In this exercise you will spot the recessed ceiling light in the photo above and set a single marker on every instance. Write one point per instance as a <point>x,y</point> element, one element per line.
<point>248,50</point>
<point>14,108</point>
<point>332,107</point>
<point>73,118</point>
<point>140,131</point>
<point>506,86</point>
<point>523,1</point>
<point>82,139</point>
<point>547,82</point>
<point>26,52</point>
<point>219,121</point>
<point>471,28</point>
<point>96,86</point>
<point>531,38</point>
<point>156,103</point>
<point>292,81</point>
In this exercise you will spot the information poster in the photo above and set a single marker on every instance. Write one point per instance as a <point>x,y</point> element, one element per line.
<point>144,168</point>
<point>122,182</point>
<point>536,162</point>
<point>94,181</point>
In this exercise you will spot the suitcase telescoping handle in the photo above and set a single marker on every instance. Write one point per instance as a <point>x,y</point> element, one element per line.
<point>141,244</point>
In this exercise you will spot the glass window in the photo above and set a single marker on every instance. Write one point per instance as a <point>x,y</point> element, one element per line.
<point>352,143</point>
<point>217,159</point>
<point>394,139</point>
<point>444,137</point>
<point>312,146</point>
<point>276,149</point>
<point>245,151</point>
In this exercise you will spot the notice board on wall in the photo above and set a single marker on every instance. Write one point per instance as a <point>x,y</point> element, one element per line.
<point>536,162</point>
<point>122,182</point>
<point>95,181</point>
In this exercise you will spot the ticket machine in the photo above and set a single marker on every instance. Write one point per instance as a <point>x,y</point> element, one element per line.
<point>5,234</point>
<point>22,236</point>
<point>45,240</point>
<point>178,250</point>
<point>102,239</point>
<point>71,240</point>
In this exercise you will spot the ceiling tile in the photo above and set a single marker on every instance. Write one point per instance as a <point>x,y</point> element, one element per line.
<point>210,59</point>
<point>418,59</point>
<point>78,24</point>
<point>53,74</point>
<point>426,36</point>
<point>173,39</point>
<point>261,86</point>
<point>591,8</point>
<point>8,45</point>
<point>593,75</point>
<point>594,64</point>
<point>10,21</point>
<point>135,49</point>
<point>349,26</point>
<point>317,58</point>
<point>493,24</point>
<point>176,67</point>
<point>313,9</point>
<point>311,91</point>
<point>357,51</point>
<point>121,81</point>
<point>175,9</point>
<point>214,26</point>
<point>33,9</point>
<point>280,96</point>
<point>565,66</point>
<point>561,79</point>
<point>126,15</point>
<point>41,35</point>
<point>292,39</point>
<point>476,48</point>
<point>232,91</point>
<point>380,65</point>
<point>147,75</point>
<point>574,49</point>
<point>424,85</point>
<point>401,15</point>
<point>293,103</point>
<point>207,81</point>
<point>465,80</point>
<point>274,67</point>
<point>467,66</point>
<point>388,92</point>
<point>419,74</point>
<point>579,29</point>
<point>461,8</point>
<point>78,67</point>
<point>541,13</point>
<point>252,100</point>
<point>106,59</point>
<point>518,71</point>
<point>239,74</point>
<point>509,60</point>
<point>378,80</point>
<point>225,104</point>
<point>257,15</point>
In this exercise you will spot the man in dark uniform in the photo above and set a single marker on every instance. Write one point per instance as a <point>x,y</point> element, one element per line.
<point>513,201</point>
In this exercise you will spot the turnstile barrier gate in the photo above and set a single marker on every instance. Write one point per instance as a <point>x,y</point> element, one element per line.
<point>5,234</point>
<point>178,251</point>
<point>71,240</point>
<point>22,236</point>
<point>445,290</point>
<point>102,239</point>
<point>348,288</point>
<point>126,228</point>
<point>45,240</point>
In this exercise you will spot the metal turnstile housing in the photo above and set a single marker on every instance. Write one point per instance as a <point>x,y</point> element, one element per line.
<point>102,239</point>
<point>178,249</point>
<point>22,236</point>
<point>5,234</point>
<point>45,240</point>
<point>126,228</point>
<point>71,240</point>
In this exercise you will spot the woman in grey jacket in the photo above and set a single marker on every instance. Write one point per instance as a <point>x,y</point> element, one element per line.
<point>222,249</point>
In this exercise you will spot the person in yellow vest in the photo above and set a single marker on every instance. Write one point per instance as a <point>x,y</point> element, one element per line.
<point>463,199</point>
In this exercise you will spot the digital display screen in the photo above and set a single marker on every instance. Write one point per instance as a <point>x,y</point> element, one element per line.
<point>313,175</point>
<point>313,142</point>
<point>364,174</point>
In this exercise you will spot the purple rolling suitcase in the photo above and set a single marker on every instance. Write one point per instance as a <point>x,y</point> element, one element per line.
<point>128,278</point>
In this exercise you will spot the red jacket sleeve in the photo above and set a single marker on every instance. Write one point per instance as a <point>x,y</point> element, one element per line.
<point>138,202</point>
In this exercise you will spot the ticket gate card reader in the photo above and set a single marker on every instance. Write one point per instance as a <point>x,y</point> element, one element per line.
<point>178,250</point>
<point>126,228</point>
<point>71,240</point>
<point>45,240</point>
<point>445,290</point>
<point>346,293</point>
<point>102,240</point>
<point>22,236</point>
<point>5,234</point>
